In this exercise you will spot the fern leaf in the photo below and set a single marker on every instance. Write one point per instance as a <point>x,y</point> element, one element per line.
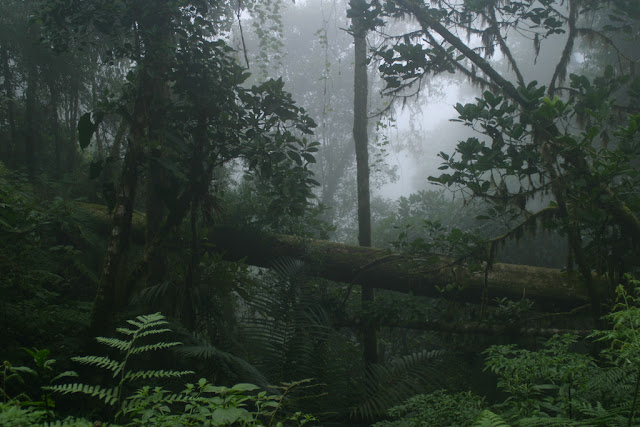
<point>152,325</point>
<point>65,374</point>
<point>153,331</point>
<point>490,419</point>
<point>153,347</point>
<point>125,331</point>
<point>138,325</point>
<point>108,395</point>
<point>119,344</point>
<point>130,376</point>
<point>99,361</point>
<point>70,422</point>
<point>147,319</point>
<point>548,422</point>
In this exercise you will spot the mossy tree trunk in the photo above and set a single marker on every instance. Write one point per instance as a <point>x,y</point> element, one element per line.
<point>361,139</point>
<point>550,289</point>
<point>154,34</point>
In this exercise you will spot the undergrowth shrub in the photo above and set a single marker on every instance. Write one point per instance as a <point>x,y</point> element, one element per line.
<point>440,408</point>
<point>139,403</point>
<point>553,386</point>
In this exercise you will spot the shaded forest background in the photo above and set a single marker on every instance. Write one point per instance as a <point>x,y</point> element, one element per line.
<point>231,165</point>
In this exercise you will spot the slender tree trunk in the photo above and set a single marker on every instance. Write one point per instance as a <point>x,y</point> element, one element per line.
<point>148,110</point>
<point>75,105</point>
<point>104,304</point>
<point>360,137</point>
<point>94,100</point>
<point>30,122</point>
<point>55,124</point>
<point>10,94</point>
<point>197,188</point>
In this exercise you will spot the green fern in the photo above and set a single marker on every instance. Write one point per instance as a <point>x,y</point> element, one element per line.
<point>490,419</point>
<point>146,325</point>
<point>110,396</point>
<point>73,422</point>
<point>391,384</point>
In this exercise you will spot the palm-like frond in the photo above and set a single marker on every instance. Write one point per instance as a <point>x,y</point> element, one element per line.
<point>390,384</point>
<point>286,328</point>
<point>230,362</point>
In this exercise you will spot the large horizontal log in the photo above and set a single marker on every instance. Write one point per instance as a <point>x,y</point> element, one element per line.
<point>548,288</point>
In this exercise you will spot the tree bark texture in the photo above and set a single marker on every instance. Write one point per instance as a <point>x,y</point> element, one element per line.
<point>551,289</point>
<point>360,135</point>
<point>31,128</point>
<point>9,150</point>
<point>113,291</point>
<point>361,139</point>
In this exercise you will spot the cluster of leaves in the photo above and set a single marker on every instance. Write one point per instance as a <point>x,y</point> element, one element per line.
<point>556,385</point>
<point>512,164</point>
<point>201,403</point>
<point>47,252</point>
<point>22,409</point>
<point>440,408</point>
<point>410,212</point>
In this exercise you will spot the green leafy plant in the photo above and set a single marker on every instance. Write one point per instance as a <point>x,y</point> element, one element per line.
<point>201,403</point>
<point>12,414</point>
<point>558,386</point>
<point>624,339</point>
<point>490,419</point>
<point>540,383</point>
<point>440,408</point>
<point>18,407</point>
<point>207,404</point>
<point>143,326</point>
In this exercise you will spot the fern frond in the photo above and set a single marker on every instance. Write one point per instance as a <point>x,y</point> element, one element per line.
<point>154,324</point>
<point>99,361</point>
<point>288,268</point>
<point>490,419</point>
<point>153,332</point>
<point>603,416</point>
<point>116,343</point>
<point>130,376</point>
<point>153,347</point>
<point>138,325</point>
<point>391,384</point>
<point>108,395</point>
<point>65,374</point>
<point>548,422</point>
<point>205,350</point>
<point>70,422</point>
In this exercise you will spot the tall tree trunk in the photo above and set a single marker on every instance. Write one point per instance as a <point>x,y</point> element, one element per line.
<point>10,94</point>
<point>157,184</point>
<point>94,101</point>
<point>148,110</point>
<point>71,151</point>
<point>360,137</point>
<point>104,304</point>
<point>198,187</point>
<point>55,125</point>
<point>31,129</point>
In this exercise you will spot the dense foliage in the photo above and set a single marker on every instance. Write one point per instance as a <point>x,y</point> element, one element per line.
<point>132,138</point>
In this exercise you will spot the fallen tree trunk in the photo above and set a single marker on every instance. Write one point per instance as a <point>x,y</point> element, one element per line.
<point>549,288</point>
